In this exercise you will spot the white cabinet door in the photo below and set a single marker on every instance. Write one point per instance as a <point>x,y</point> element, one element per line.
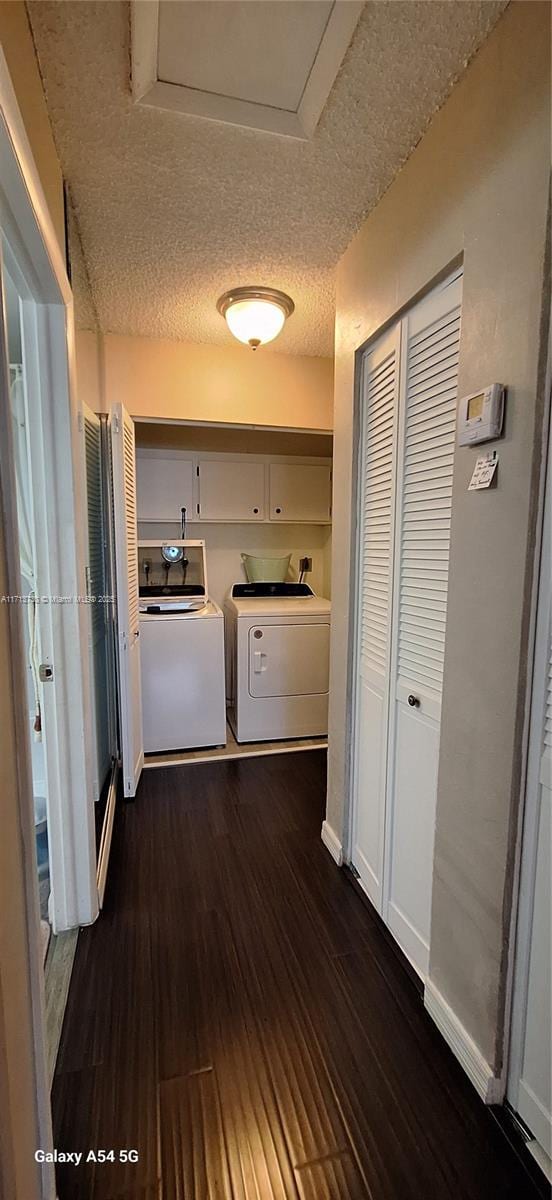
<point>164,486</point>
<point>126,572</point>
<point>431,341</point>
<point>300,492</point>
<point>231,490</point>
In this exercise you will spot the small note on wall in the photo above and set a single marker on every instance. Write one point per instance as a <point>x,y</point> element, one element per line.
<point>484,471</point>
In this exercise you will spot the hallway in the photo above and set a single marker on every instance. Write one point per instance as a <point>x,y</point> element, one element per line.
<point>237,1017</point>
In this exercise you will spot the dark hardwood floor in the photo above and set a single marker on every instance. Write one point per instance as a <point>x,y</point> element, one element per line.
<point>237,1017</point>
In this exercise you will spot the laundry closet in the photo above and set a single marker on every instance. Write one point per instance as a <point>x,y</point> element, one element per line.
<point>223,548</point>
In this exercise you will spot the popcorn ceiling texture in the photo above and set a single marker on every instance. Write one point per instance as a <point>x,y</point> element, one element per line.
<point>173,210</point>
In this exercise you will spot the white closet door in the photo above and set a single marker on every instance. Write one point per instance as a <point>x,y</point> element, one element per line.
<point>529,1085</point>
<point>429,376</point>
<point>376,507</point>
<point>126,571</point>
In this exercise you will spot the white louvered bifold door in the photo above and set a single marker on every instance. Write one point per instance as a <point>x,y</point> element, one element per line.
<point>426,440</point>
<point>98,609</point>
<point>376,490</point>
<point>126,571</point>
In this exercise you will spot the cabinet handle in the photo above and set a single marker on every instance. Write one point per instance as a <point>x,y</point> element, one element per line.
<point>278,510</point>
<point>413,701</point>
<point>255,510</point>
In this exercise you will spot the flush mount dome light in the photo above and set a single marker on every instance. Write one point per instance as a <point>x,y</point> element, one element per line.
<point>255,315</point>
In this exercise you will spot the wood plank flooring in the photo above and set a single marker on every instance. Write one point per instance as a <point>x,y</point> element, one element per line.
<point>238,1018</point>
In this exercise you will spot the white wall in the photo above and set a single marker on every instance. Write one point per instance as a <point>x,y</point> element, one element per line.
<point>477,186</point>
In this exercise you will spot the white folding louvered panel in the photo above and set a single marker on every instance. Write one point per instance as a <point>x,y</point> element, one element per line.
<point>427,469</point>
<point>429,372</point>
<point>375,583</point>
<point>96,566</point>
<point>126,570</point>
<point>98,611</point>
<point>377,505</point>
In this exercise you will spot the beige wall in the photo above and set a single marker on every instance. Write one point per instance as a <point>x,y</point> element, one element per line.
<point>477,185</point>
<point>17,43</point>
<point>88,356</point>
<point>224,544</point>
<point>185,381</point>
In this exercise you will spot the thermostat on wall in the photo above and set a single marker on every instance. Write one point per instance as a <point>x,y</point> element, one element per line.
<point>480,415</point>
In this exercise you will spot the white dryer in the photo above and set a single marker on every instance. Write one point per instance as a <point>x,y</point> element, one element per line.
<point>278,648</point>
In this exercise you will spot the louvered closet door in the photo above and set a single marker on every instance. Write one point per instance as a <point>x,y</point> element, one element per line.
<point>126,571</point>
<point>427,430</point>
<point>98,611</point>
<point>376,512</point>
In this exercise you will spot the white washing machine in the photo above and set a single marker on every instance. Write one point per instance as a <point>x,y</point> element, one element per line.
<point>277,655</point>
<point>181,651</point>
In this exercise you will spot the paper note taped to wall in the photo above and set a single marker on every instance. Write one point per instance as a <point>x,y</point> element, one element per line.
<point>484,471</point>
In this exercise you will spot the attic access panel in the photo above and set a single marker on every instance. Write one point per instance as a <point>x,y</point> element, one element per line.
<point>268,66</point>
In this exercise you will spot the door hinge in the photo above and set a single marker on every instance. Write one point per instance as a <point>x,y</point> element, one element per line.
<point>45,673</point>
<point>116,423</point>
<point>354,871</point>
<point>80,423</point>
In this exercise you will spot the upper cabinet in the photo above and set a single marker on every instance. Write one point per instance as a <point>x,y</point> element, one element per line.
<point>300,492</point>
<point>231,487</point>
<point>164,485</point>
<point>231,490</point>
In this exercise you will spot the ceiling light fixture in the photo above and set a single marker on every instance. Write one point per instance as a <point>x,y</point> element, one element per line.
<point>255,315</point>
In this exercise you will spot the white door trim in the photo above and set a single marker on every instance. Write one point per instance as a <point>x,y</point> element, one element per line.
<point>29,230</point>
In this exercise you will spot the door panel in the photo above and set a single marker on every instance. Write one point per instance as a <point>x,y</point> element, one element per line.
<point>370,782</point>
<point>97,590</point>
<point>300,491</point>
<point>534,1098</point>
<point>126,564</point>
<point>231,491</point>
<point>377,470</point>
<point>427,434</point>
<point>408,423</point>
<point>289,660</point>
<point>412,832</point>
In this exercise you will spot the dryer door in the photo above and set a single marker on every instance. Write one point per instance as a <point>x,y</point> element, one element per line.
<point>288,660</point>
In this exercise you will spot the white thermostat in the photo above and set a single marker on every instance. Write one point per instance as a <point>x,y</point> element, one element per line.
<point>480,415</point>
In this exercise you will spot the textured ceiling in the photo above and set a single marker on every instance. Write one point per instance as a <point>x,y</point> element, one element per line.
<point>173,210</point>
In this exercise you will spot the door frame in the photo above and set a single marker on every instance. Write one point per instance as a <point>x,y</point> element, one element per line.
<point>29,230</point>
<point>517,980</point>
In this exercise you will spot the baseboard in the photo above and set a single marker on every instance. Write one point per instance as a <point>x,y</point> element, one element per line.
<point>332,843</point>
<point>478,1070</point>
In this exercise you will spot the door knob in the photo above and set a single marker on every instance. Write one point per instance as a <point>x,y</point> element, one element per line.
<point>413,701</point>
